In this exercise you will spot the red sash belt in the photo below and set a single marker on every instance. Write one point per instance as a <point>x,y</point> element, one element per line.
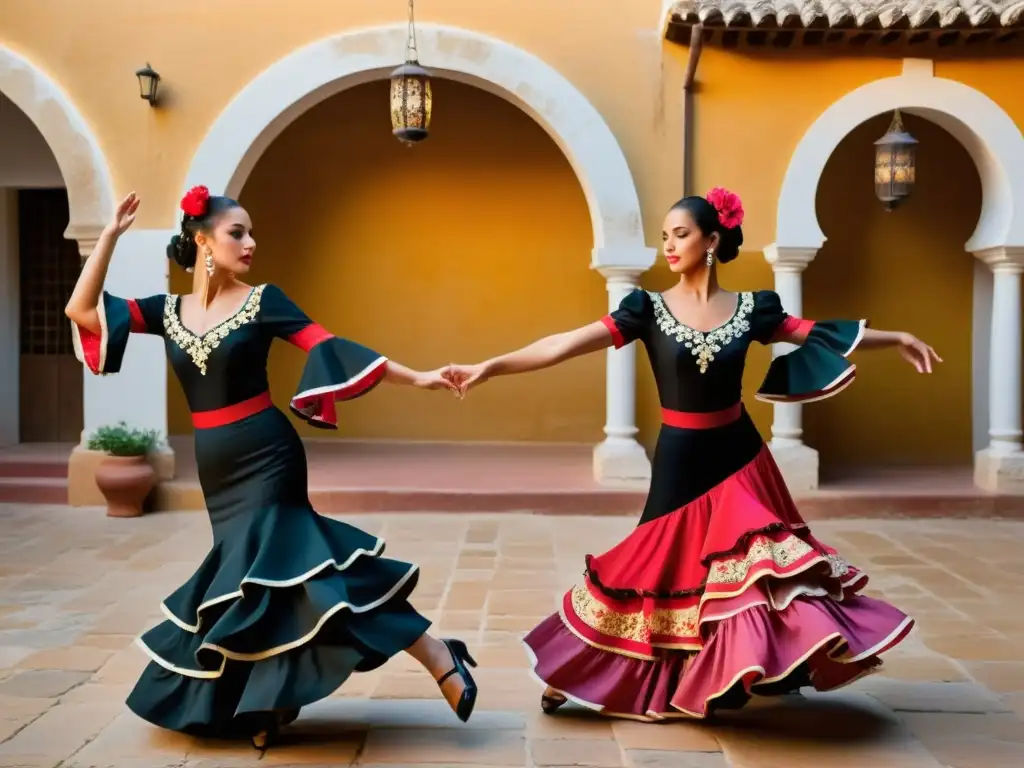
<point>218,417</point>
<point>710,420</point>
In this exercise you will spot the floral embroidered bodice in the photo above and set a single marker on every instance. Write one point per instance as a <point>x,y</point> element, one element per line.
<point>704,345</point>
<point>697,371</point>
<point>228,363</point>
<point>199,347</point>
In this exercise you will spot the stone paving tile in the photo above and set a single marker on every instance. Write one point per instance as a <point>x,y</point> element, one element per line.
<point>951,696</point>
<point>653,758</point>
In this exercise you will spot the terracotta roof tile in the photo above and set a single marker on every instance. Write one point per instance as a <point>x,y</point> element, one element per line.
<point>847,13</point>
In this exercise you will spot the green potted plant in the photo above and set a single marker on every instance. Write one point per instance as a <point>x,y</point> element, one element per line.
<point>124,477</point>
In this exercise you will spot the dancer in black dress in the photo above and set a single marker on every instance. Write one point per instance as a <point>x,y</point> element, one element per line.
<point>287,604</point>
<point>721,590</point>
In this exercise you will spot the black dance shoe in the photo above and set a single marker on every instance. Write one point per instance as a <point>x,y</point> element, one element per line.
<point>550,704</point>
<point>265,739</point>
<point>269,736</point>
<point>461,657</point>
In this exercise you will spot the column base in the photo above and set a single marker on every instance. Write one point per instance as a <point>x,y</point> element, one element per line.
<point>621,462</point>
<point>999,472</point>
<point>82,490</point>
<point>799,465</point>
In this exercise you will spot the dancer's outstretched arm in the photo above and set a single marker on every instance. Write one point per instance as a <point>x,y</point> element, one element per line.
<point>544,353</point>
<point>912,349</point>
<point>399,374</point>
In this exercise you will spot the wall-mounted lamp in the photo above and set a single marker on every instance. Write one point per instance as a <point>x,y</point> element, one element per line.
<point>149,83</point>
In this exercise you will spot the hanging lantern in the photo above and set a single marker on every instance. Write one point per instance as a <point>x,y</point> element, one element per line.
<point>411,97</point>
<point>895,164</point>
<point>410,102</point>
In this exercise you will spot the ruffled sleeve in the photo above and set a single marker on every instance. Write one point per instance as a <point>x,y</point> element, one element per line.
<point>103,352</point>
<point>336,369</point>
<point>818,368</point>
<point>631,320</point>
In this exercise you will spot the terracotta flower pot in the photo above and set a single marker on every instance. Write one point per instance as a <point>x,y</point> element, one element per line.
<point>125,482</point>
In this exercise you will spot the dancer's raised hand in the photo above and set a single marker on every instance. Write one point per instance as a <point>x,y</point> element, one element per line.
<point>124,216</point>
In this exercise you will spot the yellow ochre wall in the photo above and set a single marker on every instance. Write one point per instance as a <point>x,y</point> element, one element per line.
<point>907,270</point>
<point>751,112</point>
<point>471,244</point>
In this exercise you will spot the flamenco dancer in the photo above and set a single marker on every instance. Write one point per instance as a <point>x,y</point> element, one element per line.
<point>721,591</point>
<point>287,604</point>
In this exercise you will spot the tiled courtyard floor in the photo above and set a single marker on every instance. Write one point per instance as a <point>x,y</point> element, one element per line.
<point>75,587</point>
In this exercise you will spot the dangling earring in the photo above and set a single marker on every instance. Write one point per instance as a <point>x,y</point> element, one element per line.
<point>711,256</point>
<point>209,261</point>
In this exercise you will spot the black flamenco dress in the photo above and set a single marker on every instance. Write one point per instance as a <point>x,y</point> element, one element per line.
<point>721,591</point>
<point>287,604</point>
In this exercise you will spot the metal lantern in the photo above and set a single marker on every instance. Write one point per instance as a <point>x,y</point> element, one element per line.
<point>410,102</point>
<point>895,164</point>
<point>149,82</point>
<point>411,98</point>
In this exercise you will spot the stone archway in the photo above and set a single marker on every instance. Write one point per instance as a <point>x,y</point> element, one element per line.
<point>78,154</point>
<point>258,114</point>
<point>70,139</point>
<point>996,145</point>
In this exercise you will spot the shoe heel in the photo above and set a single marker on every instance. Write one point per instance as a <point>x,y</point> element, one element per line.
<point>460,650</point>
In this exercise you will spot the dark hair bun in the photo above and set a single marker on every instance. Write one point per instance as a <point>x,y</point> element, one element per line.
<point>182,251</point>
<point>730,242</point>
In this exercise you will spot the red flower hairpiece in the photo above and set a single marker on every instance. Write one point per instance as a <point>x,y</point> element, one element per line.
<point>195,202</point>
<point>728,205</point>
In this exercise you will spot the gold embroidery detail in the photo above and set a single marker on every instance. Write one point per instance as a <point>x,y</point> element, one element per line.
<point>641,625</point>
<point>636,627</point>
<point>199,348</point>
<point>704,346</point>
<point>783,554</point>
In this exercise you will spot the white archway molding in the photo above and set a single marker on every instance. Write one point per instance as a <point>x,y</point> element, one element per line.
<point>289,87</point>
<point>276,97</point>
<point>990,136</point>
<point>78,154</point>
<point>996,145</point>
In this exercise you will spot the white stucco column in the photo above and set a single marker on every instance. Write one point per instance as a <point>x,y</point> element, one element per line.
<point>619,460</point>
<point>798,462</point>
<point>137,394</point>
<point>1000,466</point>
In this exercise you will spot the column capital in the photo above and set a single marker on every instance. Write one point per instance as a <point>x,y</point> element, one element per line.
<point>786,258</point>
<point>622,275</point>
<point>1007,259</point>
<point>639,258</point>
<point>86,237</point>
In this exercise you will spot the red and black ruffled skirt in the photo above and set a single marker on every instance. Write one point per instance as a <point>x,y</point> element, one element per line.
<point>720,592</point>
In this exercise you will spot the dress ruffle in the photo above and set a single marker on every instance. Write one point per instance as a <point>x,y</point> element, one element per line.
<point>102,353</point>
<point>818,369</point>
<point>727,596</point>
<point>275,619</point>
<point>336,369</point>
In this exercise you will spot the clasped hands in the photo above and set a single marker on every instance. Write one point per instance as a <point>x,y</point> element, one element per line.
<point>457,379</point>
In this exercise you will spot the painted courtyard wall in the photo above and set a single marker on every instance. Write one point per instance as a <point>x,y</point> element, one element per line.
<point>450,277</point>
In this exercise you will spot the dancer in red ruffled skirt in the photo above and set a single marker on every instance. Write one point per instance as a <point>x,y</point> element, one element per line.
<point>721,591</point>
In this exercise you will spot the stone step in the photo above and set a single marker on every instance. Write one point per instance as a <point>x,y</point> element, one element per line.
<point>34,467</point>
<point>34,490</point>
<point>813,505</point>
